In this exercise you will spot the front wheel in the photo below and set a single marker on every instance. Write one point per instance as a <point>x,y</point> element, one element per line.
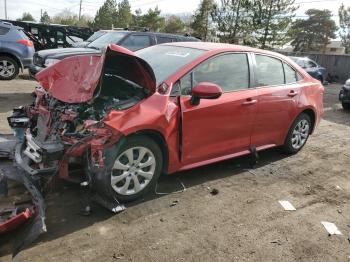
<point>135,169</point>
<point>297,134</point>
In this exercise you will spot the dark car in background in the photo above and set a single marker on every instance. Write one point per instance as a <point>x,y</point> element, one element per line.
<point>315,70</point>
<point>16,50</point>
<point>344,95</point>
<point>92,38</point>
<point>132,40</point>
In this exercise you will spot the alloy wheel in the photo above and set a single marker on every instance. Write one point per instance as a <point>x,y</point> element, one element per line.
<point>300,134</point>
<point>133,170</point>
<point>7,69</point>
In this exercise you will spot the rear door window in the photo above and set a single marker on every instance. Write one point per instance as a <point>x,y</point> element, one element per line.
<point>269,71</point>
<point>136,42</point>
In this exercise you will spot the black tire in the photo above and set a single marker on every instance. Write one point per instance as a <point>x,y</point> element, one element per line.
<point>288,144</point>
<point>346,106</point>
<point>320,78</point>
<point>132,142</point>
<point>9,61</point>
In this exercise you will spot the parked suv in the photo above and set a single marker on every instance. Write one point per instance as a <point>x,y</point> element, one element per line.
<point>131,40</point>
<point>315,70</point>
<point>344,95</point>
<point>16,50</point>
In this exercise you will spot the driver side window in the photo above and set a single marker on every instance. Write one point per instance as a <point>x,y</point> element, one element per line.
<point>229,71</point>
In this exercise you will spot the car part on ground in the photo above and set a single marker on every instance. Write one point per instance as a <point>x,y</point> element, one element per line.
<point>132,40</point>
<point>16,51</point>
<point>344,95</point>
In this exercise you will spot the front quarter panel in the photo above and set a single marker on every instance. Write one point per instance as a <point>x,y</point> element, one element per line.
<point>157,113</point>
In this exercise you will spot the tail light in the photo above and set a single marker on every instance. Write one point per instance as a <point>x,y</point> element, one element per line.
<point>25,42</point>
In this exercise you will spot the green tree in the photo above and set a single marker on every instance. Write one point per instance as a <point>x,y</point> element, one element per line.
<point>137,18</point>
<point>123,16</point>
<point>153,20</point>
<point>344,22</point>
<point>45,18</point>
<point>313,33</point>
<point>105,16</point>
<point>26,17</point>
<point>202,20</point>
<point>233,20</point>
<point>174,25</point>
<point>271,21</point>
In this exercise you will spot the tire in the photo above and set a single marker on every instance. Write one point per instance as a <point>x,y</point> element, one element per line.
<point>320,78</point>
<point>298,134</point>
<point>346,106</point>
<point>9,68</point>
<point>120,170</point>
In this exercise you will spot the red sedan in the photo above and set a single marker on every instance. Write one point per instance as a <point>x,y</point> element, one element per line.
<point>125,118</point>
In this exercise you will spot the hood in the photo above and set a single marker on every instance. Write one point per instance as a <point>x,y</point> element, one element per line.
<point>74,79</point>
<point>60,53</point>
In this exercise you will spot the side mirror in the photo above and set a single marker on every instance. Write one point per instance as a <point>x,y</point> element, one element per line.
<point>205,90</point>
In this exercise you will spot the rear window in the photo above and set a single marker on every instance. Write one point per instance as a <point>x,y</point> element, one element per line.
<point>136,42</point>
<point>4,30</point>
<point>290,73</point>
<point>164,39</point>
<point>166,60</point>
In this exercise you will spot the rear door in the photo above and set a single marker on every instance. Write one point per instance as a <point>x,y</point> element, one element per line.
<point>222,126</point>
<point>278,95</point>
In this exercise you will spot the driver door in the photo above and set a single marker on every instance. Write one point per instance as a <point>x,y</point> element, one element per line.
<point>222,126</point>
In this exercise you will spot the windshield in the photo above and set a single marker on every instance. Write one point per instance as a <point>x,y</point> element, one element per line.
<point>108,38</point>
<point>95,35</point>
<point>166,60</point>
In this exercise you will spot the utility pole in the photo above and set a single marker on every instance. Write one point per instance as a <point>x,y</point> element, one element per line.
<point>41,15</point>
<point>79,9</point>
<point>5,9</point>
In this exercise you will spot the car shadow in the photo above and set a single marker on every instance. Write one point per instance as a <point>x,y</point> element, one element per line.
<point>11,100</point>
<point>67,200</point>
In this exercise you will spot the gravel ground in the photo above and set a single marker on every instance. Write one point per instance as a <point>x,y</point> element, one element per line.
<point>243,222</point>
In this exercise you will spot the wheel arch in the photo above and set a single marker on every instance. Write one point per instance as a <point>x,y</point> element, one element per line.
<point>311,113</point>
<point>157,137</point>
<point>14,57</point>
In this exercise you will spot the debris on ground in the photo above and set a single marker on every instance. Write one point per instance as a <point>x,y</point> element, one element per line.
<point>338,188</point>
<point>174,203</point>
<point>276,241</point>
<point>287,205</point>
<point>331,228</point>
<point>214,191</point>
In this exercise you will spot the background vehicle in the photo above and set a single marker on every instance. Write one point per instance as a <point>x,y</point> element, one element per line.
<point>316,71</point>
<point>92,38</point>
<point>165,108</point>
<point>132,40</point>
<point>344,95</point>
<point>45,36</point>
<point>16,50</point>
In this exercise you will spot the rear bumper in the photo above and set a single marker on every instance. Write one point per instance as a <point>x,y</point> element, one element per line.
<point>26,62</point>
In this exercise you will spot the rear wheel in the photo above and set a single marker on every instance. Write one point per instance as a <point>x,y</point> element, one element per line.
<point>9,68</point>
<point>297,134</point>
<point>346,106</point>
<point>136,168</point>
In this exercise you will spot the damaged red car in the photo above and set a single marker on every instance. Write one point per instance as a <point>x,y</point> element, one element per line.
<point>120,119</point>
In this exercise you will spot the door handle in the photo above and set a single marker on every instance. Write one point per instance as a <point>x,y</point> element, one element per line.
<point>292,93</point>
<point>249,102</point>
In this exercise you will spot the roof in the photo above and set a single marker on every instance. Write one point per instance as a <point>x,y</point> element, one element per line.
<point>209,46</point>
<point>335,44</point>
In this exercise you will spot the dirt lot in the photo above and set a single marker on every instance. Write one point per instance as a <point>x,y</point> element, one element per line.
<point>243,222</point>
